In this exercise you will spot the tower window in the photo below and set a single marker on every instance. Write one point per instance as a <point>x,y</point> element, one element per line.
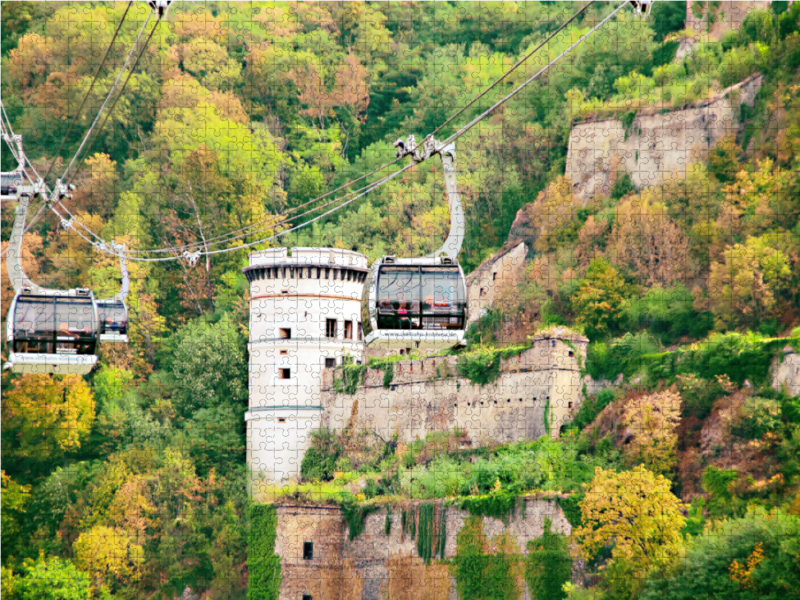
<point>307,597</point>
<point>285,373</point>
<point>483,292</point>
<point>571,354</point>
<point>284,352</point>
<point>330,328</point>
<point>330,362</point>
<point>285,292</point>
<point>281,420</point>
<point>285,333</point>
<point>308,551</point>
<point>570,405</point>
<point>359,331</point>
<point>348,330</point>
<point>494,276</point>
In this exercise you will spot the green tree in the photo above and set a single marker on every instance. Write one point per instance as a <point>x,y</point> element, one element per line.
<point>209,366</point>
<point>599,301</point>
<point>636,514</point>
<point>742,289</point>
<point>47,579</point>
<point>756,556</point>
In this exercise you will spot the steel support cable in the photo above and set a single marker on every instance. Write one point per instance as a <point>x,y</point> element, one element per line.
<point>195,245</point>
<point>108,114</point>
<point>89,91</point>
<point>505,99</point>
<point>108,96</point>
<point>369,188</point>
<point>518,63</point>
<point>279,220</point>
<point>105,247</point>
<point>272,221</point>
<point>121,92</point>
<point>459,112</point>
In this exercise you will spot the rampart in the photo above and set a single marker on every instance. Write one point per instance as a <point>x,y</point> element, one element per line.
<point>319,560</point>
<point>656,147</point>
<point>535,394</point>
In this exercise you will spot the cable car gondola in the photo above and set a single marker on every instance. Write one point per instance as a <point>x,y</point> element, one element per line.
<point>57,331</point>
<point>420,302</point>
<point>50,333</point>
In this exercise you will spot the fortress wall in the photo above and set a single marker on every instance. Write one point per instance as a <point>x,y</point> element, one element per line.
<point>658,147</point>
<point>427,396</point>
<point>505,269</point>
<point>357,569</point>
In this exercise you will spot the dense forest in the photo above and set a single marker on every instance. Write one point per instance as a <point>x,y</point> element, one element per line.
<point>131,482</point>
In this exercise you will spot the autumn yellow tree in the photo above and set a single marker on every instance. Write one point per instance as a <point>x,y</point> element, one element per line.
<point>553,214</point>
<point>598,303</point>
<point>647,241</point>
<point>108,556</point>
<point>742,289</point>
<point>653,421</point>
<point>636,513</point>
<point>45,417</point>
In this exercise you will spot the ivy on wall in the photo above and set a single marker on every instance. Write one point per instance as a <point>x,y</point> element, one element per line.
<point>548,565</point>
<point>432,534</point>
<point>482,366</point>
<point>263,565</point>
<point>482,572</point>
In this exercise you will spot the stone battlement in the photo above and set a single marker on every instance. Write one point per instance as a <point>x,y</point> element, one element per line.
<point>536,393</point>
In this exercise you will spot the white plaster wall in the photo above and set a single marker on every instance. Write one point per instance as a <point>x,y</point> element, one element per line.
<point>276,442</point>
<point>309,287</point>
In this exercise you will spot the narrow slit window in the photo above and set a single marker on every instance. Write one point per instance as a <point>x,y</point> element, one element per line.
<point>281,419</point>
<point>308,550</point>
<point>285,373</point>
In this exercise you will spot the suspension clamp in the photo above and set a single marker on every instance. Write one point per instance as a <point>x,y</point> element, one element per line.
<point>191,257</point>
<point>410,148</point>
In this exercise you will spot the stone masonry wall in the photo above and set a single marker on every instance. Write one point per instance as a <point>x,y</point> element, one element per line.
<point>786,372</point>
<point>344,569</point>
<point>426,396</point>
<point>658,147</point>
<point>504,269</point>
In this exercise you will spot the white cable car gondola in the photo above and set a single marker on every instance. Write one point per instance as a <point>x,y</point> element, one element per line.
<point>56,331</point>
<point>420,302</point>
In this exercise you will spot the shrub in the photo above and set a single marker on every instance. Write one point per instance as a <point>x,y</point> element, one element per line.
<point>482,365</point>
<point>320,459</point>
<point>756,418</point>
<point>627,355</point>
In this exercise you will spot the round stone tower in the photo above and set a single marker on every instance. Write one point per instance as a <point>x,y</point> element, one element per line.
<point>305,315</point>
